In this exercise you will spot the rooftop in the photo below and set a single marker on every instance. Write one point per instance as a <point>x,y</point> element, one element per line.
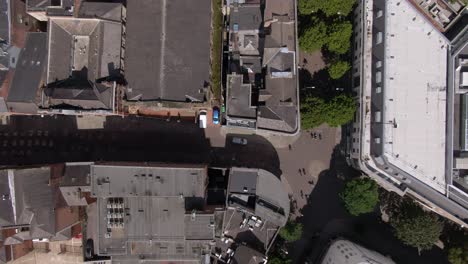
<point>170,59</point>
<point>278,110</point>
<point>239,98</point>
<point>271,201</point>
<point>82,52</point>
<point>128,181</point>
<point>143,211</point>
<point>416,144</point>
<point>29,201</point>
<point>29,69</point>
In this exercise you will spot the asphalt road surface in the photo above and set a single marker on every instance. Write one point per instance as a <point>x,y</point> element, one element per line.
<point>35,140</point>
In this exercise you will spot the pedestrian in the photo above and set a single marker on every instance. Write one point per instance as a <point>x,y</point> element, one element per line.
<point>300,172</point>
<point>303,171</point>
<point>289,146</point>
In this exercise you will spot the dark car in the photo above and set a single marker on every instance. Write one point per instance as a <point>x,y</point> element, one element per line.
<point>89,248</point>
<point>215,115</point>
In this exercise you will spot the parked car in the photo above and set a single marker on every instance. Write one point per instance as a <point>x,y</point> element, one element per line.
<point>215,115</point>
<point>89,248</point>
<point>239,141</point>
<point>202,119</point>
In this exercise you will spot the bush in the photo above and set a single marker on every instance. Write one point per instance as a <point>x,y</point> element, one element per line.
<point>360,196</point>
<point>458,255</point>
<point>292,231</point>
<point>416,228</point>
<point>337,69</point>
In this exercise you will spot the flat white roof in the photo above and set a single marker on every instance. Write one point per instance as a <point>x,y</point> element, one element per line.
<point>415,94</point>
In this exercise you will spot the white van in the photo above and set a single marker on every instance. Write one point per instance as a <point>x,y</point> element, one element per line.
<point>202,118</point>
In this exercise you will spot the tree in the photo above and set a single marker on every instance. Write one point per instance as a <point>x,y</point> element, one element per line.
<point>313,112</point>
<point>340,110</point>
<point>337,69</point>
<point>458,255</point>
<point>360,196</point>
<point>292,231</point>
<point>336,112</point>
<point>314,36</point>
<point>416,228</point>
<point>329,7</point>
<point>339,35</point>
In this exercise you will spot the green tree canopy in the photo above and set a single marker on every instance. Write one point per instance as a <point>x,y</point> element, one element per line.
<point>313,112</point>
<point>334,35</point>
<point>292,231</point>
<point>360,196</point>
<point>339,35</point>
<point>278,260</point>
<point>337,69</point>
<point>458,255</point>
<point>313,37</point>
<point>329,7</point>
<point>416,228</point>
<point>335,112</point>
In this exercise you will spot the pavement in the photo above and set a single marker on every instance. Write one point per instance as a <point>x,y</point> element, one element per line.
<point>72,255</point>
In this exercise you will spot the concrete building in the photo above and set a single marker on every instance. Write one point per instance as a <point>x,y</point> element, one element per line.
<point>343,251</point>
<point>152,213</point>
<point>262,83</point>
<point>167,55</point>
<point>405,131</point>
<point>31,211</point>
<point>73,68</point>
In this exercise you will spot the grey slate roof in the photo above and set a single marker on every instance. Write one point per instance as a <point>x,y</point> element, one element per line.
<point>279,111</point>
<point>7,216</point>
<point>31,202</point>
<point>104,10</point>
<point>272,200</point>
<point>172,62</point>
<point>271,190</point>
<point>34,198</point>
<point>82,52</point>
<point>4,22</point>
<point>239,98</point>
<point>29,69</point>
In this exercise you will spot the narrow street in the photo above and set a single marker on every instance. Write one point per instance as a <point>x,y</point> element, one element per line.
<point>313,168</point>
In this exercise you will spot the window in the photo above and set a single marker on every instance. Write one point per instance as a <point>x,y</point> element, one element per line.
<point>378,116</point>
<point>378,39</point>
<point>379,13</point>
<point>378,89</point>
<point>378,77</point>
<point>378,64</point>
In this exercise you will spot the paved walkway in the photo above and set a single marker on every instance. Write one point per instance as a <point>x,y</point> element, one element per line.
<point>308,157</point>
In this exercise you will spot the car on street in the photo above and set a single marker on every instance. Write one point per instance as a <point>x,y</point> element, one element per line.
<point>239,141</point>
<point>202,119</point>
<point>215,115</point>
